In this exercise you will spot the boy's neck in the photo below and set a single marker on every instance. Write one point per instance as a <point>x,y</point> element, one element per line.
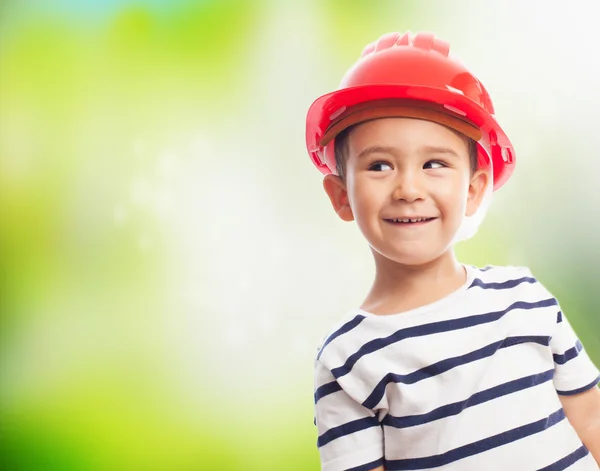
<point>399,288</point>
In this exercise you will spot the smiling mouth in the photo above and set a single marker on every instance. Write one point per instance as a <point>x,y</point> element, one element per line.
<point>408,221</point>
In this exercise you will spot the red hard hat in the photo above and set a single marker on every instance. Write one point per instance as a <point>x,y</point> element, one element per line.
<point>417,69</point>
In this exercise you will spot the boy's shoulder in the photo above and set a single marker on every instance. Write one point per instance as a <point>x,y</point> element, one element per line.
<point>503,277</point>
<point>506,283</point>
<point>348,322</point>
<point>499,272</point>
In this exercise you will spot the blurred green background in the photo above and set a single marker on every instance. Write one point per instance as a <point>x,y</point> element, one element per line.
<point>169,261</point>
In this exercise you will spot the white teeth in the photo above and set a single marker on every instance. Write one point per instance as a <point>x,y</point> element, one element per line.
<point>409,220</point>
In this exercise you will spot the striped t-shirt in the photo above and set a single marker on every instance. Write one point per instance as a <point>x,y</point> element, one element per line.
<point>470,382</point>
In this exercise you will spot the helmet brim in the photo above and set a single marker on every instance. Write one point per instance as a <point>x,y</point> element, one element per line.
<point>327,108</point>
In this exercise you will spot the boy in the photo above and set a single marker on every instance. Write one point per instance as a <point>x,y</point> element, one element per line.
<point>443,366</point>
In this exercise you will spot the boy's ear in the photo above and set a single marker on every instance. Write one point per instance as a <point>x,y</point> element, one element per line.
<point>336,190</point>
<point>479,182</point>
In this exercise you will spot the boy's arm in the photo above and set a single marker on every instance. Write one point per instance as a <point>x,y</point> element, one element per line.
<point>349,434</point>
<point>583,412</point>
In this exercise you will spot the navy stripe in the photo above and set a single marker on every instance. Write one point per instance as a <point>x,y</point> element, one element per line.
<point>571,353</point>
<point>486,268</point>
<point>559,317</point>
<point>580,390</point>
<point>567,461</point>
<point>326,390</point>
<point>368,466</point>
<point>347,327</point>
<point>447,364</point>
<point>477,447</point>
<point>433,328</point>
<point>504,285</point>
<point>347,429</point>
<point>477,398</point>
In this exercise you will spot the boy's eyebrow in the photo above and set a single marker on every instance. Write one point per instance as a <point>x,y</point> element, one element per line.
<point>373,149</point>
<point>392,150</point>
<point>439,150</point>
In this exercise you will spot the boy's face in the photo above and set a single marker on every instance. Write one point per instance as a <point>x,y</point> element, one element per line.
<point>401,169</point>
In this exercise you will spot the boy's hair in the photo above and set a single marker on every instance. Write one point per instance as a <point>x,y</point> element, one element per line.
<point>341,152</point>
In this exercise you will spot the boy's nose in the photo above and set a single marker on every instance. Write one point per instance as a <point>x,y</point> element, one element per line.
<point>408,187</point>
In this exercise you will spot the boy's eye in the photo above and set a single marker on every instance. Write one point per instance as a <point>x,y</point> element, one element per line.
<point>434,164</point>
<point>380,166</point>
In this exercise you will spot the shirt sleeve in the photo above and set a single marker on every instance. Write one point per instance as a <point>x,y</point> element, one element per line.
<point>350,437</point>
<point>574,370</point>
